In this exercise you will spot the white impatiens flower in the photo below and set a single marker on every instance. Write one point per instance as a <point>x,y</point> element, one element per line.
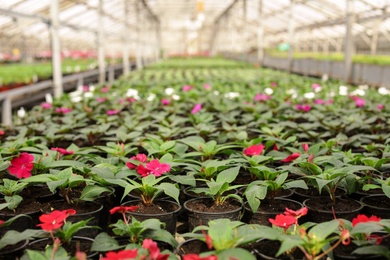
<point>343,90</point>
<point>309,95</point>
<point>92,88</point>
<point>331,94</point>
<point>325,77</point>
<point>216,92</point>
<point>358,92</point>
<point>88,94</point>
<point>269,91</point>
<point>232,95</point>
<point>384,91</point>
<point>132,93</point>
<point>291,91</point>
<point>151,97</point>
<point>21,112</point>
<point>76,99</point>
<point>364,87</point>
<point>175,97</point>
<point>49,98</point>
<point>169,91</point>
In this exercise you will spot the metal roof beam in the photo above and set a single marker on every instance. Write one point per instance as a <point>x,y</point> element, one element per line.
<point>11,13</point>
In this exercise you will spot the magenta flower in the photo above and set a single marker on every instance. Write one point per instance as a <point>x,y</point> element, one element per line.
<point>305,147</point>
<point>303,108</point>
<point>359,102</point>
<point>380,106</point>
<point>187,88</point>
<point>112,112</point>
<point>196,108</point>
<point>22,166</point>
<point>62,151</point>
<point>131,99</point>
<point>262,97</point>
<point>207,86</point>
<point>273,84</point>
<point>101,99</point>
<point>291,157</point>
<point>1,132</point>
<point>63,110</point>
<point>254,150</point>
<point>319,101</point>
<point>156,168</point>
<point>165,102</point>
<point>85,88</point>
<point>139,157</point>
<point>46,105</point>
<point>104,90</point>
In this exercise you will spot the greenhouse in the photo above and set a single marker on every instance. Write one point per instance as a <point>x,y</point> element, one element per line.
<point>194,129</point>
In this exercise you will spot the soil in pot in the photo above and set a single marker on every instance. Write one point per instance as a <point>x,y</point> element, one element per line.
<point>28,207</point>
<point>84,244</point>
<point>321,209</point>
<point>267,249</point>
<point>377,205</point>
<point>269,209</point>
<point>191,246</point>
<point>164,210</point>
<point>12,252</point>
<point>312,192</point>
<point>202,210</point>
<point>40,193</point>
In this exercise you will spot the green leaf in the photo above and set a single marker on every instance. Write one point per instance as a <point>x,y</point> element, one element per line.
<point>323,230</point>
<point>13,201</point>
<point>12,237</point>
<point>235,253</point>
<point>228,175</point>
<point>171,190</point>
<point>66,163</point>
<point>104,243</point>
<point>91,192</point>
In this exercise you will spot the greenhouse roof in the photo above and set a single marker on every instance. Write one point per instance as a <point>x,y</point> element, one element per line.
<point>186,23</point>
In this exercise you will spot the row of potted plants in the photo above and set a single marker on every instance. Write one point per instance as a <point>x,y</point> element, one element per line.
<point>151,136</point>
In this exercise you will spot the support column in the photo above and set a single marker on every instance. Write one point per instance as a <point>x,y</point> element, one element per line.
<point>126,40</point>
<point>291,32</point>
<point>158,41</point>
<point>55,48</point>
<point>100,43</point>
<point>374,39</point>
<point>260,35</point>
<point>348,46</point>
<point>138,38</point>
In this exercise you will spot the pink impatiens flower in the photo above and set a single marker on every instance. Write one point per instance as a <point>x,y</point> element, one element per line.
<point>63,110</point>
<point>46,105</point>
<point>380,106</point>
<point>196,108</point>
<point>156,168</point>
<point>254,150</point>
<point>22,166</point>
<point>101,99</point>
<point>262,97</point>
<point>305,147</point>
<point>165,102</point>
<point>62,151</point>
<point>112,112</point>
<point>207,86</point>
<point>291,157</point>
<point>359,102</point>
<point>187,88</point>
<point>1,132</point>
<point>319,101</point>
<point>139,157</point>
<point>304,108</point>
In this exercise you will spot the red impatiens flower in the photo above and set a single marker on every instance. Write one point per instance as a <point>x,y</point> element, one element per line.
<point>283,221</point>
<point>154,251</point>
<point>296,213</point>
<point>291,157</point>
<point>1,132</point>
<point>1,222</point>
<point>156,168</point>
<point>305,147</point>
<point>139,157</point>
<point>310,158</point>
<point>53,220</point>
<point>62,151</point>
<point>21,166</point>
<point>363,218</point>
<point>209,241</point>
<point>123,209</point>
<point>254,150</point>
<point>141,170</point>
<point>197,257</point>
<point>69,212</point>
<point>121,255</point>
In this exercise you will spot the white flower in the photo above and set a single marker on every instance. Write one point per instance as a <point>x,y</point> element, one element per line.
<point>132,93</point>
<point>88,94</point>
<point>232,95</point>
<point>383,91</point>
<point>343,90</point>
<point>364,87</point>
<point>169,91</point>
<point>92,88</point>
<point>49,98</point>
<point>331,94</point>
<point>291,91</point>
<point>151,97</point>
<point>318,89</point>
<point>325,77</point>
<point>358,92</point>
<point>175,97</point>
<point>309,95</point>
<point>21,112</point>
<point>76,99</point>
<point>269,91</point>
<point>216,92</point>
